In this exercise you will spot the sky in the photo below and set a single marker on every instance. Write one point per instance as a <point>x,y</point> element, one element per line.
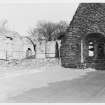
<point>23,16</point>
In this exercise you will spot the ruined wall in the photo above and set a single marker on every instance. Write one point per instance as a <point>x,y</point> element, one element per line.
<point>89,18</point>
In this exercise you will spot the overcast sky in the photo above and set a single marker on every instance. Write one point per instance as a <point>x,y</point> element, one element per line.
<point>22,16</point>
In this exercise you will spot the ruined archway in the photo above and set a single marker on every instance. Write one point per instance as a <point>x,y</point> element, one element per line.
<point>95,49</point>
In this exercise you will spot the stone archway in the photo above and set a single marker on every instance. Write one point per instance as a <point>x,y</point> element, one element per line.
<point>95,46</point>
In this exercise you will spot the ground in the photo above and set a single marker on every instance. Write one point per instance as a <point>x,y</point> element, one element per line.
<point>49,82</point>
<point>90,88</point>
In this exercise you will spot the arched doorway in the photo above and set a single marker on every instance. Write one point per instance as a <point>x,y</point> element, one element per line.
<point>95,45</point>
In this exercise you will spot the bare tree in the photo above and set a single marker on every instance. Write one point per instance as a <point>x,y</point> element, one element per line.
<point>48,30</point>
<point>60,30</point>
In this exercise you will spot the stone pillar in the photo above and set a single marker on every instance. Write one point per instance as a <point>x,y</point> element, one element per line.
<point>95,50</point>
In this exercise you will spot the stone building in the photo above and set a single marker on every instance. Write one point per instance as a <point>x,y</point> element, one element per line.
<point>84,41</point>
